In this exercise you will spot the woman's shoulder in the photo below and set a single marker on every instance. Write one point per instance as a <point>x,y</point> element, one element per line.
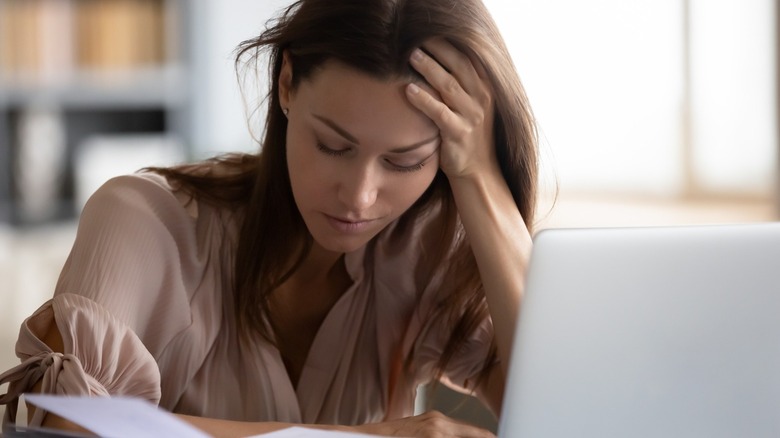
<point>134,218</point>
<point>145,209</point>
<point>140,191</point>
<point>137,243</point>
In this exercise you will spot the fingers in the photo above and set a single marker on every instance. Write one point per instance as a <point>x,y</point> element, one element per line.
<point>446,84</point>
<point>461,84</point>
<point>457,98</point>
<point>460,80</point>
<point>428,425</point>
<point>434,423</point>
<point>457,63</point>
<point>436,110</point>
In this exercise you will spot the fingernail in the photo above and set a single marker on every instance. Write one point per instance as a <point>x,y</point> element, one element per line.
<point>417,55</point>
<point>414,89</point>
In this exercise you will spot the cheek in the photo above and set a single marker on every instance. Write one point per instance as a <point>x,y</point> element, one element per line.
<point>413,186</point>
<point>303,172</point>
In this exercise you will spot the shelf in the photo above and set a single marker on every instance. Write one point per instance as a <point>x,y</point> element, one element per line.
<point>152,88</point>
<point>74,70</point>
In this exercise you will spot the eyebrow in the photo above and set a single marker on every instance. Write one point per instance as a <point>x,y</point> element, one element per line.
<point>352,139</point>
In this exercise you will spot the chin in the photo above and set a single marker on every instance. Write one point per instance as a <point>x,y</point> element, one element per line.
<point>341,245</point>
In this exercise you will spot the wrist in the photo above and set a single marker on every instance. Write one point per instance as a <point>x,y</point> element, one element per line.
<point>484,179</point>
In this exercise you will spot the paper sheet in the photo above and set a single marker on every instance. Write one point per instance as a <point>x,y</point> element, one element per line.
<point>119,417</point>
<point>300,432</point>
<point>116,417</point>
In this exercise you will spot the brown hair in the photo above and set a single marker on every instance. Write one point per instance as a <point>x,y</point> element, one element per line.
<point>375,37</point>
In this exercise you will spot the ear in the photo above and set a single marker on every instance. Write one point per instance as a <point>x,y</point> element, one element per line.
<point>285,80</point>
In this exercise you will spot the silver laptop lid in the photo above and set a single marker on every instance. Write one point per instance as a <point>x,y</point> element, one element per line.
<point>649,332</point>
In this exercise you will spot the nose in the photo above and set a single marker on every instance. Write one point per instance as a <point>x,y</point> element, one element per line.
<point>358,188</point>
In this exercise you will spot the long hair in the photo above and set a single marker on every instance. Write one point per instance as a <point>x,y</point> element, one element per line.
<point>375,37</point>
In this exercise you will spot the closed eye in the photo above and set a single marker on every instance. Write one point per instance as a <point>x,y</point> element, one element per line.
<point>391,165</point>
<point>412,168</point>
<point>332,152</point>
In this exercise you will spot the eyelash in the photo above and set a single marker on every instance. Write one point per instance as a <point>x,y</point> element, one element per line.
<point>414,168</point>
<point>332,152</point>
<point>337,153</point>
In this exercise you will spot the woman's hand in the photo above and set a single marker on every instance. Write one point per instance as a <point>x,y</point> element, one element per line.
<point>461,105</point>
<point>428,425</point>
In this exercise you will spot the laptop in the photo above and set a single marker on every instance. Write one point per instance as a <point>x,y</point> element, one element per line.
<point>648,332</point>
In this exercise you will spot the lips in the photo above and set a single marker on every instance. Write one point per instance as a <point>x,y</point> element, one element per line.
<point>349,226</point>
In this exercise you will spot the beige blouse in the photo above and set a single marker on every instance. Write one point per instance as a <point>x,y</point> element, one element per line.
<point>145,309</point>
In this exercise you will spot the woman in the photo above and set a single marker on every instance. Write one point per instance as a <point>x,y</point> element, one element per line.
<point>377,242</point>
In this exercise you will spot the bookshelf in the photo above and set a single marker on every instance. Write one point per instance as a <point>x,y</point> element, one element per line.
<point>72,70</point>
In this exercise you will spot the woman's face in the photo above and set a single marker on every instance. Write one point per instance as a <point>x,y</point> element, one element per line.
<point>358,153</point>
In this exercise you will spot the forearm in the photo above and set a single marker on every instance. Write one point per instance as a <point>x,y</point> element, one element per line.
<point>501,244</point>
<point>226,428</point>
<point>229,429</point>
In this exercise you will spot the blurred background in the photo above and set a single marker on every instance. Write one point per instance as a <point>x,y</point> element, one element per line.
<point>651,112</point>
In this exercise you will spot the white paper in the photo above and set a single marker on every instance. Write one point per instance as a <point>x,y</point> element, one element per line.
<point>116,417</point>
<point>300,432</point>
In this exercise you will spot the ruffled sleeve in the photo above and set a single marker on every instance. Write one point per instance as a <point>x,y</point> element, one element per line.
<point>101,356</point>
<point>120,300</point>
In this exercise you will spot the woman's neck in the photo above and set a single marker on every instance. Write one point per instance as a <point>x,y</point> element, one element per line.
<point>319,266</point>
<point>300,305</point>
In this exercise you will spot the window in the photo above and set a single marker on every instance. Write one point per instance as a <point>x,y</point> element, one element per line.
<point>662,97</point>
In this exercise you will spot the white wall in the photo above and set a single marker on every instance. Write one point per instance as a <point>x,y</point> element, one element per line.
<point>220,122</point>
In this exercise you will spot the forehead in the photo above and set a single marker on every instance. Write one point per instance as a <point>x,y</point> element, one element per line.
<point>373,110</point>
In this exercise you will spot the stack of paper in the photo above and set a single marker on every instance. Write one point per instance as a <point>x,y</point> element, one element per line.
<point>119,417</point>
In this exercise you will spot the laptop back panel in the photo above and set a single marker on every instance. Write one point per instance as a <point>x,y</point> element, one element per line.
<point>649,332</point>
